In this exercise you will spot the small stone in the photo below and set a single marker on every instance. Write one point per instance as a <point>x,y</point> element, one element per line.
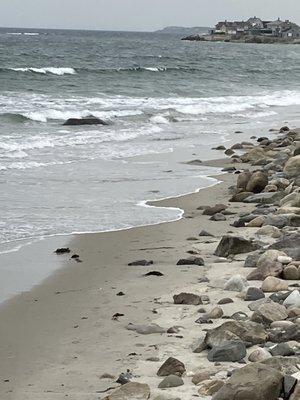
<point>187,298</point>
<point>200,377</point>
<point>215,313</point>
<point>191,261</point>
<point>205,233</point>
<point>284,259</point>
<point>259,354</point>
<point>130,390</point>
<point>226,300</point>
<point>253,294</point>
<point>171,381</point>
<point>273,284</point>
<point>218,217</point>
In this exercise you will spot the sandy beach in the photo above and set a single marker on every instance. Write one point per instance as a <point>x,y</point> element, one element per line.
<point>59,339</point>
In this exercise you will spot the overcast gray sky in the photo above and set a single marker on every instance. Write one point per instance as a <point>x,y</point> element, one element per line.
<point>138,14</point>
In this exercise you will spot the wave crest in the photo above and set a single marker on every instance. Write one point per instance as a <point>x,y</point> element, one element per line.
<point>50,70</point>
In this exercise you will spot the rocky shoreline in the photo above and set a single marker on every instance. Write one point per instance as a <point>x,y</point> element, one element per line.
<point>253,352</point>
<point>205,307</point>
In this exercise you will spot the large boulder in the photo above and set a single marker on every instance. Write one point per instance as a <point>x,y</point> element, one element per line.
<point>171,366</point>
<point>253,382</point>
<point>171,381</point>
<point>257,182</point>
<point>245,331</point>
<point>234,245</point>
<point>292,167</point>
<point>267,265</point>
<point>272,284</point>
<point>228,351</point>
<point>242,180</point>
<point>130,391</point>
<point>254,155</point>
<point>89,120</point>
<point>284,334</point>
<point>269,312</point>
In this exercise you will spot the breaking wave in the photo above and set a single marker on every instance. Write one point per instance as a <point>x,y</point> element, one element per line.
<point>44,71</point>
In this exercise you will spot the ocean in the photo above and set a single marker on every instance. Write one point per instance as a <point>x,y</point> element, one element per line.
<point>164,100</point>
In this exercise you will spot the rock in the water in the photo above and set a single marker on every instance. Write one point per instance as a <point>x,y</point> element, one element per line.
<point>245,331</point>
<point>252,382</point>
<point>210,387</point>
<point>130,391</point>
<point>171,381</point>
<point>146,329</point>
<point>259,354</point>
<point>191,261</point>
<point>257,182</point>
<point>254,293</point>
<point>187,298</point>
<point>269,312</point>
<point>171,366</point>
<point>89,120</point>
<point>236,283</point>
<point>228,351</point>
<point>234,245</point>
<point>272,284</point>
<point>293,300</point>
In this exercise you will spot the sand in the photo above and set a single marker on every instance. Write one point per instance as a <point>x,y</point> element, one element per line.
<point>59,338</point>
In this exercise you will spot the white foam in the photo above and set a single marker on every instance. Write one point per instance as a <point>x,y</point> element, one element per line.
<point>155,69</point>
<point>159,119</point>
<point>50,70</point>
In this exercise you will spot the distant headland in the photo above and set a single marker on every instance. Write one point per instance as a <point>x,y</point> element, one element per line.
<point>254,30</point>
<point>181,30</point>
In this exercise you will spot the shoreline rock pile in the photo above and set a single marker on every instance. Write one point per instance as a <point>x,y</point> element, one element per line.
<point>257,352</point>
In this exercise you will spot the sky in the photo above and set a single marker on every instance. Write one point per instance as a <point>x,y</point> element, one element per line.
<point>138,15</point>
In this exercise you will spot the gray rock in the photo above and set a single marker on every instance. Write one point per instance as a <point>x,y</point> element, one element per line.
<point>255,304</point>
<point>234,245</point>
<point>251,259</point>
<point>215,209</point>
<point>130,391</point>
<point>277,335</point>
<point>229,351</point>
<point>146,329</point>
<point>285,365</point>
<point>205,233</point>
<point>257,182</point>
<point>269,312</point>
<point>287,241</point>
<point>191,261</point>
<point>289,384</point>
<point>218,217</point>
<point>244,331</point>
<point>254,293</point>
<point>265,198</point>
<point>282,349</point>
<point>252,382</point>
<point>171,381</point>
<point>187,298</point>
